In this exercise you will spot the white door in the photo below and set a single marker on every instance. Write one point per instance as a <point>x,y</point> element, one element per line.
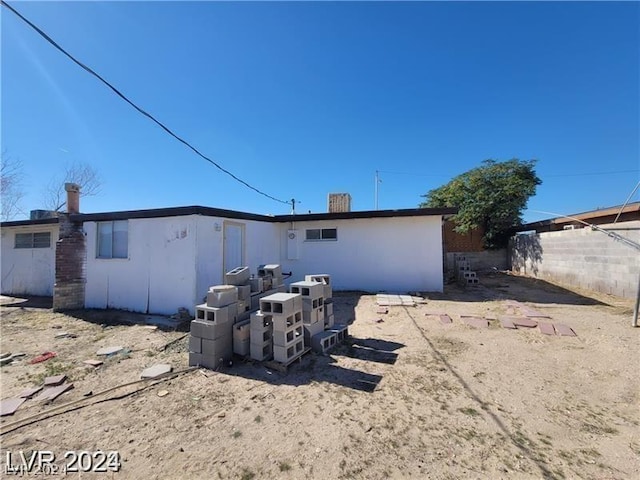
<point>233,246</point>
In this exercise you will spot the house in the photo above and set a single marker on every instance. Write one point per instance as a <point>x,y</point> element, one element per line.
<point>161,259</point>
<point>602,216</point>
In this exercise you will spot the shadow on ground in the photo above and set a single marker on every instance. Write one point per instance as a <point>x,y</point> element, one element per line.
<point>112,318</point>
<point>323,368</point>
<point>27,302</point>
<point>505,286</point>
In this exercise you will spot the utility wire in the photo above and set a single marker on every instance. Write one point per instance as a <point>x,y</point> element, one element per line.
<point>140,110</point>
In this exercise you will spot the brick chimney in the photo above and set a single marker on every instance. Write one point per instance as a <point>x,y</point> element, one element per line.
<point>71,256</point>
<point>73,197</point>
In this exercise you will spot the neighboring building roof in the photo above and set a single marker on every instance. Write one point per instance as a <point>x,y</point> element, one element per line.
<point>598,217</point>
<point>218,212</point>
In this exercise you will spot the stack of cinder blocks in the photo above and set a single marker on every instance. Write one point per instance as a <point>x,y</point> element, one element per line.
<point>268,281</point>
<point>240,278</point>
<point>463,268</point>
<point>211,340</point>
<point>312,307</point>
<point>327,294</point>
<point>284,312</point>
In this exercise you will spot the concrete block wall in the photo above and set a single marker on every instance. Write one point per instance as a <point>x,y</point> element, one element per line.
<point>482,261</point>
<point>583,258</point>
<point>70,266</point>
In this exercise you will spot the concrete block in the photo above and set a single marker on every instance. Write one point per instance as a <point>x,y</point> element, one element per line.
<point>324,341</point>
<point>261,351</point>
<point>311,303</point>
<point>237,276</point>
<point>307,289</point>
<point>279,304</point>
<point>282,323</point>
<point>312,329</point>
<point>272,270</point>
<point>288,353</point>
<point>241,330</point>
<point>241,347</point>
<point>256,284</point>
<point>329,321</point>
<point>328,308</point>
<point>210,330</point>
<point>222,295</point>
<point>341,331</point>
<point>311,316</point>
<point>243,316</point>
<point>468,274</point>
<point>260,336</point>
<point>243,306</point>
<point>286,338</point>
<point>217,314</point>
<point>259,321</point>
<point>195,344</point>
<point>244,292</point>
<point>216,347</point>
<point>325,280</point>
<point>208,361</point>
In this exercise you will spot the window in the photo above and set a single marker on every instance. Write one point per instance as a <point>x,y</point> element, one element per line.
<point>33,240</point>
<point>322,234</point>
<point>113,239</point>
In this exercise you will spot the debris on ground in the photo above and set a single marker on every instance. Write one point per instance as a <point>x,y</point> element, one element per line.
<point>8,406</point>
<point>156,370</point>
<point>43,357</point>
<point>109,351</point>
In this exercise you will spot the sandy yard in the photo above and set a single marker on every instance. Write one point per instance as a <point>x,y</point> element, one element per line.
<point>405,397</point>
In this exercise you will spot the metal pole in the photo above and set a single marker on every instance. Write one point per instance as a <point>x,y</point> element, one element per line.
<point>376,191</point>
<point>625,203</point>
<point>635,310</point>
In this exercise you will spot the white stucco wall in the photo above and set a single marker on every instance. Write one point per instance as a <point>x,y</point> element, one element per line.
<point>28,271</point>
<point>396,254</point>
<point>262,245</point>
<point>160,274</point>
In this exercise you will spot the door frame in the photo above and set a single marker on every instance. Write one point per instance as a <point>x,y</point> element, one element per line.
<point>243,228</point>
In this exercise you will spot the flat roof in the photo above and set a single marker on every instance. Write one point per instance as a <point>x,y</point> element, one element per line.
<point>584,216</point>
<point>218,212</point>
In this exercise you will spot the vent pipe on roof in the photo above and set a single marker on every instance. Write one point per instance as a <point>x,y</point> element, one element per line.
<point>73,197</point>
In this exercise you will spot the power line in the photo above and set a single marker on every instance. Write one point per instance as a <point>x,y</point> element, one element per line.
<point>592,173</point>
<point>140,110</point>
<point>419,174</point>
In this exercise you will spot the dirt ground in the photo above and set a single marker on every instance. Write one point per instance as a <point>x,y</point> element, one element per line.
<point>405,397</point>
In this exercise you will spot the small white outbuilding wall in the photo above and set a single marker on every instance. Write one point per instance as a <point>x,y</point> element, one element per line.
<point>28,271</point>
<point>394,254</point>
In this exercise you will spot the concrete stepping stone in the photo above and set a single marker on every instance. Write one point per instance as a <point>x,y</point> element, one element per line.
<point>30,392</point>
<point>54,380</point>
<point>109,350</point>
<point>51,393</point>
<point>546,328</point>
<point>476,322</point>
<point>8,406</point>
<point>524,322</point>
<point>93,363</point>
<point>156,370</point>
<point>565,330</point>
<point>506,322</point>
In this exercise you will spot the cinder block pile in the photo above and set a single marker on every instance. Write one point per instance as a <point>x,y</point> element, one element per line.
<point>222,325</point>
<point>210,343</point>
<point>463,268</point>
<point>283,313</point>
<point>254,316</point>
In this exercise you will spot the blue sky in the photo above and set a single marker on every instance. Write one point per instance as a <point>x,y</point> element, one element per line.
<point>303,99</point>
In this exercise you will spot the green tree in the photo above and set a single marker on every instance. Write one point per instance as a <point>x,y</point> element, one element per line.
<point>491,196</point>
